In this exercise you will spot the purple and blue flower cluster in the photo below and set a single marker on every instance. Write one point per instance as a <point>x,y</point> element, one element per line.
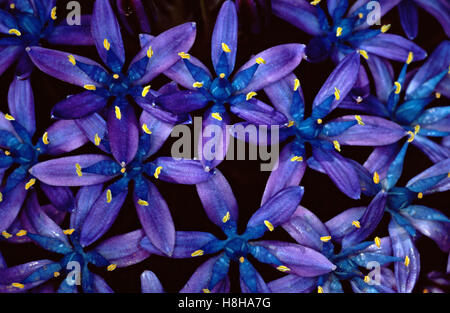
<point>63,189</point>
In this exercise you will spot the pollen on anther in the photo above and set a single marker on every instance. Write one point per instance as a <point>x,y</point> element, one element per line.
<point>97,140</point>
<point>78,169</point>
<point>416,129</point>
<point>158,171</point>
<point>411,136</point>
<point>420,195</point>
<point>72,59</point>
<point>30,183</point>
<point>260,61</point>
<point>283,268</point>
<point>6,235</point>
<point>241,259</point>
<point>69,231</point>
<point>337,93</point>
<point>149,52</point>
<point>360,15</point>
<point>206,290</point>
<point>197,253</point>
<point>410,57</point>
<point>184,55</point>
<point>226,217</point>
<point>14,31</point>
<point>146,129</point>
<point>437,95</point>
<point>315,2</point>
<point>53,14</point>
<point>18,285</point>
<point>296,84</point>
<point>111,267</point>
<point>364,54</point>
<point>337,145</point>
<point>118,112</point>
<point>385,28</point>
<point>106,44</point>
<point>108,196</point>
<point>377,241</point>
<point>145,91</point>
<point>197,85</point>
<point>56,274</point>
<point>325,238</point>
<point>216,116</point>
<point>376,178</point>
<point>90,87</point>
<point>297,159</point>
<point>21,233</point>
<point>319,289</point>
<point>9,117</point>
<point>142,202</point>
<point>319,121</point>
<point>359,120</point>
<point>269,225</point>
<point>398,88</point>
<point>366,279</point>
<point>250,95</point>
<point>12,6</point>
<point>357,224</point>
<point>45,138</point>
<point>116,76</point>
<point>338,31</point>
<point>222,75</point>
<point>407,260</point>
<point>225,48</point>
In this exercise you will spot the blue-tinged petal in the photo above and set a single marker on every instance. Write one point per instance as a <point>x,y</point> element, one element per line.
<point>396,167</point>
<point>289,171</point>
<point>43,273</point>
<point>156,220</point>
<point>299,13</point>
<point>275,211</point>
<point>433,115</point>
<point>424,213</point>
<point>340,171</point>
<point>64,136</point>
<point>293,284</point>
<point>123,132</point>
<point>7,22</point>
<point>218,201</point>
<point>11,204</point>
<point>85,199</point>
<point>381,158</point>
<point>150,283</point>
<point>376,131</point>
<point>59,65</point>
<point>435,64</point>
<point>258,112</point>
<point>393,47</point>
<point>340,81</point>
<point>250,280</point>
<point>281,93</point>
<point>407,272</point>
<point>383,75</point>
<point>341,224</point>
<point>181,171</point>
<point>279,61</point>
<point>165,47</point>
<point>160,131</point>
<point>18,273</point>
<point>440,9</point>
<point>101,216</point>
<point>366,180</point>
<point>79,105</point>
<point>306,228</point>
<point>123,250</point>
<point>300,260</point>
<point>225,32</point>
<point>50,243</point>
<point>183,101</point>
<point>198,282</point>
<point>368,221</point>
<point>68,171</point>
<point>94,128</point>
<point>409,18</point>
<point>77,35</point>
<point>8,55</point>
<point>440,168</point>
<point>183,76</point>
<point>432,150</point>
<point>21,103</point>
<point>104,25</point>
<point>435,230</point>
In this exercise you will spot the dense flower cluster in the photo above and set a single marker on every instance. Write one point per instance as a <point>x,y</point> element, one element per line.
<point>124,123</point>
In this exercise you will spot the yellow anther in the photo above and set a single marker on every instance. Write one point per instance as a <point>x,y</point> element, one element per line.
<point>283,268</point>
<point>241,259</point>
<point>111,267</point>
<point>438,95</point>
<point>416,129</point>
<point>184,55</point>
<point>319,121</point>
<point>97,139</point>
<point>337,93</point>
<point>420,195</point>
<point>21,233</point>
<point>410,58</point>
<point>325,238</point>
<point>53,14</point>
<point>157,172</point>
<point>197,85</point>
<point>90,87</point>
<point>407,261</point>
<point>376,178</point>
<point>222,75</point>
<point>225,48</point>
<point>296,84</point>
<point>116,76</point>
<point>377,241</point>
<point>357,224</point>
<point>250,95</point>
<point>337,146</point>
<point>145,91</point>
<point>217,116</point>
<point>123,170</point>
<point>9,117</point>
<point>197,253</point>
<point>56,274</point>
<point>319,289</point>
<point>108,196</point>
<point>1,197</point>
<point>7,152</point>
<point>30,183</point>
<point>385,28</point>
<point>72,59</point>
<point>118,112</point>
<point>359,120</point>
<point>18,285</point>
<point>69,231</point>
<point>411,136</point>
<point>14,31</point>
<point>364,54</point>
<point>297,159</point>
<point>142,202</point>
<point>366,279</point>
<point>315,2</point>
<point>338,31</point>
<point>290,124</point>
<point>78,169</point>
<point>269,225</point>
<point>6,235</point>
<point>398,87</point>
<point>145,129</point>
<point>149,52</point>
<point>360,15</point>
<point>425,290</point>
<point>226,217</point>
<point>45,138</point>
<point>12,6</point>
<point>206,290</point>
<point>106,44</point>
<point>260,61</point>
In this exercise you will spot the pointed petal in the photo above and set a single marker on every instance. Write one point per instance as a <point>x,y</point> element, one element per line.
<point>440,9</point>
<point>409,18</point>
<point>64,136</point>
<point>181,171</point>
<point>383,74</point>
<point>201,277</point>
<point>281,93</point>
<point>341,224</point>
<point>94,127</point>
<point>150,283</point>
<point>258,112</point>
<point>85,199</point>
<point>60,197</point>
<point>160,131</point>
<point>8,55</point>
<point>11,204</point>
<point>440,168</point>
<point>21,103</point>
<point>381,158</point>
<point>432,150</point>
<point>79,105</point>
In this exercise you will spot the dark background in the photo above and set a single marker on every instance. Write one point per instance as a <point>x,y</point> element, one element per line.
<point>247,181</point>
